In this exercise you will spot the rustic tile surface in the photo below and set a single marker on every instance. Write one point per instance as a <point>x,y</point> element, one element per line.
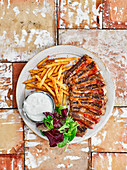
<point>110,46</point>
<point>11,162</point>
<point>17,68</point>
<point>39,155</point>
<point>115,14</point>
<point>26,27</point>
<point>113,136</point>
<point>11,132</point>
<point>80,14</point>
<point>114,161</point>
<point>5,85</point>
<point>29,26</point>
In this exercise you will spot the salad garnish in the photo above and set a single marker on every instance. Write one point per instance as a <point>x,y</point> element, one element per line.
<point>61,128</point>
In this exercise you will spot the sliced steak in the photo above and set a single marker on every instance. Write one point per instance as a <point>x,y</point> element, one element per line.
<point>87,93</point>
<point>78,116</point>
<point>88,79</point>
<point>83,62</point>
<point>85,72</point>
<point>91,89</point>
<point>87,114</point>
<point>89,96</point>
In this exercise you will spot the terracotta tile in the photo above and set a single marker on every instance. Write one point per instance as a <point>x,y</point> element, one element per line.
<point>11,132</point>
<point>80,14</point>
<point>38,154</point>
<point>26,27</point>
<point>114,161</point>
<point>17,68</point>
<point>113,136</point>
<point>110,46</point>
<point>5,85</point>
<point>11,162</point>
<point>115,14</point>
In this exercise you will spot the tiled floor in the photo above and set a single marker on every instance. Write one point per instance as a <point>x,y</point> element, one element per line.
<point>27,27</point>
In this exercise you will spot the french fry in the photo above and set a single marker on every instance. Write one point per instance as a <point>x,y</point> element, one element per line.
<point>34,71</point>
<point>42,62</point>
<point>28,87</point>
<point>56,64</point>
<point>55,100</point>
<point>51,71</point>
<point>56,88</point>
<point>37,71</point>
<point>64,99</point>
<point>31,85</point>
<point>66,68</point>
<point>29,81</point>
<point>41,69</point>
<point>56,69</point>
<point>65,92</point>
<point>43,79</point>
<point>43,73</point>
<point>60,72</point>
<point>65,59</point>
<point>61,85</point>
<point>49,89</point>
<point>50,84</point>
<point>54,75</point>
<point>37,77</point>
<point>60,91</point>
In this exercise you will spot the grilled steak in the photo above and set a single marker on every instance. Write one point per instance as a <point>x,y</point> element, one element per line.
<point>87,93</point>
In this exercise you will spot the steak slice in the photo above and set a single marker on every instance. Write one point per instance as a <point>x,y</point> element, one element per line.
<point>87,114</point>
<point>88,79</point>
<point>78,116</point>
<point>89,96</point>
<point>84,61</point>
<point>81,129</point>
<point>92,70</point>
<point>87,88</point>
<point>93,107</point>
<point>91,89</point>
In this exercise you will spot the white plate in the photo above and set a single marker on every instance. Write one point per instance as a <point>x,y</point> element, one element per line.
<point>65,51</point>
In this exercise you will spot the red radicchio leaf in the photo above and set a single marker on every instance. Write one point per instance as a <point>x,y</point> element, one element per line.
<point>54,137</point>
<point>64,112</point>
<point>56,123</point>
<point>48,113</point>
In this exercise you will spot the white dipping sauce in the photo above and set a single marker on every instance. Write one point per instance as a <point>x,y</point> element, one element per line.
<point>36,104</point>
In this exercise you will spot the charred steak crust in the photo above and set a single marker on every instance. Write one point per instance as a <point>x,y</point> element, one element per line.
<point>87,93</point>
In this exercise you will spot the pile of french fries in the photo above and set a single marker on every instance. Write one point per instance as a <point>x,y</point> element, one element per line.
<point>49,77</point>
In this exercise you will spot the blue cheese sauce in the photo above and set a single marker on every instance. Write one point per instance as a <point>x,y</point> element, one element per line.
<point>36,104</point>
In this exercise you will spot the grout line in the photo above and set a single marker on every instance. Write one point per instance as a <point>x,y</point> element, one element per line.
<point>89,154</point>
<point>11,154</point>
<point>57,29</point>
<point>91,159</point>
<point>24,142</point>
<point>102,13</point>
<point>12,62</point>
<point>120,105</point>
<point>115,29</point>
<point>8,108</point>
<point>109,152</point>
<point>12,85</point>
